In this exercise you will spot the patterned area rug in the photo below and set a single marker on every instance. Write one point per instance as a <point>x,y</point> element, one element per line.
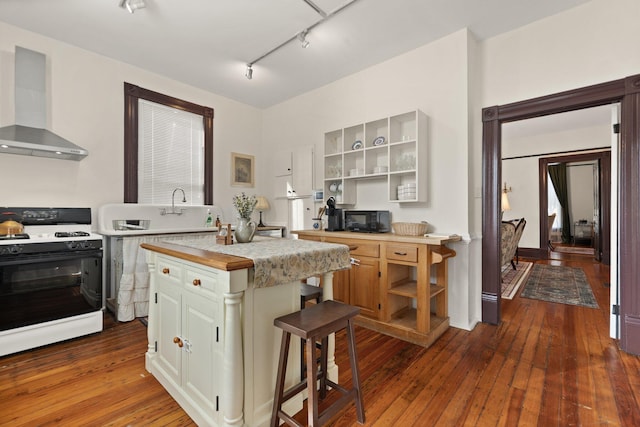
<point>564,285</point>
<point>512,279</point>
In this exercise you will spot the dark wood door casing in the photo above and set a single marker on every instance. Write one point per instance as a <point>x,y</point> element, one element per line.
<point>132,94</point>
<point>627,92</point>
<point>604,202</point>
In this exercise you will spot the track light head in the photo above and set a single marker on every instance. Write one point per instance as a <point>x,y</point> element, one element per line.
<point>249,72</point>
<point>302,36</point>
<point>132,5</point>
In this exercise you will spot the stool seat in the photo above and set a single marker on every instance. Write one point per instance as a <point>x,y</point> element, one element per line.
<point>319,320</point>
<point>313,324</point>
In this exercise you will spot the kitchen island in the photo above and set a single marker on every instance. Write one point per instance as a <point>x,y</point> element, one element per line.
<point>212,343</point>
<point>400,283</point>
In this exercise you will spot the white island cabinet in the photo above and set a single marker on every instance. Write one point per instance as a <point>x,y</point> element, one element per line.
<point>212,343</point>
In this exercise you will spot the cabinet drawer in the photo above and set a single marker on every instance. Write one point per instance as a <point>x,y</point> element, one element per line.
<point>363,247</point>
<point>169,270</point>
<point>198,279</point>
<point>399,252</point>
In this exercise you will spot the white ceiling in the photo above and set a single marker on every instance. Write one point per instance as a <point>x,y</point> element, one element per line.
<point>207,43</point>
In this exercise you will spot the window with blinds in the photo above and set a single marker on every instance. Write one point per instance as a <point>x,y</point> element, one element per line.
<point>170,154</point>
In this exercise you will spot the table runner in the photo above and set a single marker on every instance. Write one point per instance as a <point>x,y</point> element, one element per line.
<point>278,261</point>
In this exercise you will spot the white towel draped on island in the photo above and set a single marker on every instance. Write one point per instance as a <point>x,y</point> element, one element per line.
<point>281,260</point>
<point>133,289</point>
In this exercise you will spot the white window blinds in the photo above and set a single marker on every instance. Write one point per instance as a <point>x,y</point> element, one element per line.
<point>170,154</point>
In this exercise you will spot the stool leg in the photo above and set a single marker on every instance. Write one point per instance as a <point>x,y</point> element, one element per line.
<point>302,341</point>
<point>282,369</point>
<point>312,374</point>
<point>353,358</point>
<point>323,366</point>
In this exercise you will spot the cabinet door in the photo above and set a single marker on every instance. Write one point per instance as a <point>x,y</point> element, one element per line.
<point>169,327</point>
<point>302,171</point>
<point>284,186</point>
<point>365,286</point>
<point>282,163</point>
<point>203,354</point>
<point>341,286</point>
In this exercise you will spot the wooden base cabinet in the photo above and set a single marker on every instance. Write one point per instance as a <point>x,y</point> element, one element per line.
<point>359,286</point>
<point>400,284</point>
<point>364,282</point>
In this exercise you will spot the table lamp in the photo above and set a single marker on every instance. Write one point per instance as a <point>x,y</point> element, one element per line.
<point>505,200</point>
<point>262,205</point>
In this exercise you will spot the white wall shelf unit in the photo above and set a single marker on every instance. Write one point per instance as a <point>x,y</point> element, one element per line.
<point>391,149</point>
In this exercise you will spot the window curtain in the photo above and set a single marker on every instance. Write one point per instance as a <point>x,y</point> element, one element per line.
<point>558,175</point>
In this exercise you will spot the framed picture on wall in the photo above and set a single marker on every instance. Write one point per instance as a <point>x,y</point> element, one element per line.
<point>242,170</point>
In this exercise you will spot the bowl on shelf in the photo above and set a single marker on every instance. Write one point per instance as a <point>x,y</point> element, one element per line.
<point>409,228</point>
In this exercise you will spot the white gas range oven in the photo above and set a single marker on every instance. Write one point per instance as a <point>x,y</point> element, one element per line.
<point>51,278</point>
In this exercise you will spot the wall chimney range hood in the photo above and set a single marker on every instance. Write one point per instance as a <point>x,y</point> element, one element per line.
<point>29,135</point>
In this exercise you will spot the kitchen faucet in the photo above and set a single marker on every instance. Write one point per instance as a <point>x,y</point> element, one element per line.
<point>173,211</point>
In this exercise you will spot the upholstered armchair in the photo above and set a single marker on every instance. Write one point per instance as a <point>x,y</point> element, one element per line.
<point>511,232</point>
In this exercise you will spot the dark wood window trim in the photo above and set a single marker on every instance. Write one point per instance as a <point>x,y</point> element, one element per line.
<point>132,94</point>
<point>627,92</point>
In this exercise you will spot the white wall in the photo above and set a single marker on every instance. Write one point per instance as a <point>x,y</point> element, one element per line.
<point>86,106</point>
<point>434,79</point>
<point>590,44</point>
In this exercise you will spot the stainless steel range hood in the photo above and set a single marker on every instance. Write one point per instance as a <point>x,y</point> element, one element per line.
<point>29,135</point>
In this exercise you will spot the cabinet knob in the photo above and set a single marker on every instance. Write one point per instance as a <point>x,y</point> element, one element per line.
<point>400,253</point>
<point>166,270</point>
<point>196,282</point>
<point>177,340</point>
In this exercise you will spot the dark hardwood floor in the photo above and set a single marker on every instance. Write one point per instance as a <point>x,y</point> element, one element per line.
<point>546,364</point>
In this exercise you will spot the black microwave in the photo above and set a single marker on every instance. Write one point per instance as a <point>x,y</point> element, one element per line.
<point>367,221</point>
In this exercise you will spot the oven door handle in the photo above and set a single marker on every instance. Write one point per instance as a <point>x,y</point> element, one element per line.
<point>48,257</point>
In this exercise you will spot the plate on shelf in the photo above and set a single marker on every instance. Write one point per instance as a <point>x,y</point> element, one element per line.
<point>378,141</point>
<point>356,145</point>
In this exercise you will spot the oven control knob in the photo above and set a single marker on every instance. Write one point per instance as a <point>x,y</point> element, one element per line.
<point>72,245</point>
<point>14,249</point>
<point>85,245</point>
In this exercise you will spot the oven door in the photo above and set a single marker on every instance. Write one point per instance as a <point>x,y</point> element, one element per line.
<point>38,288</point>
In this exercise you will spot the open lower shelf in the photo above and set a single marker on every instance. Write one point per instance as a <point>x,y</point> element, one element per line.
<point>407,289</point>
<point>435,290</point>
<point>410,289</point>
<point>407,318</point>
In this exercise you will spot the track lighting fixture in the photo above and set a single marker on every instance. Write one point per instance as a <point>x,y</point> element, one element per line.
<point>132,5</point>
<point>302,36</point>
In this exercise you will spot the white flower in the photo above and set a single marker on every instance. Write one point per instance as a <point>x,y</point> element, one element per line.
<point>244,204</point>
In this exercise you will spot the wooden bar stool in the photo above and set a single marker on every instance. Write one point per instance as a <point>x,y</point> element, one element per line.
<point>313,324</point>
<point>307,293</point>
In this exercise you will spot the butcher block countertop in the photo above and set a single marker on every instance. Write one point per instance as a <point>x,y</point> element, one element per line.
<point>429,239</point>
<point>216,260</point>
